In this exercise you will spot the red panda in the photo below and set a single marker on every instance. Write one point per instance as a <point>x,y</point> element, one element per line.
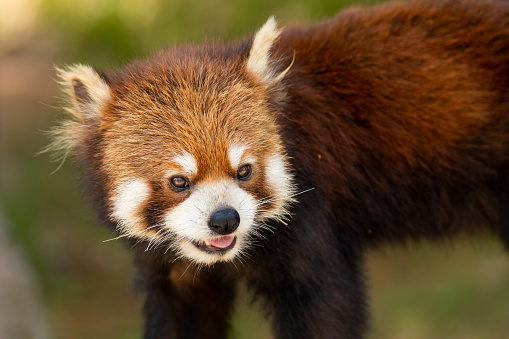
<point>280,159</point>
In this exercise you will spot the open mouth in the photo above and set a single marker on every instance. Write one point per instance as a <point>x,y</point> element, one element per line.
<point>216,245</point>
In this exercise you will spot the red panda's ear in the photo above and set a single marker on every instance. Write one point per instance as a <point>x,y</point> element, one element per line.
<point>258,63</point>
<point>86,90</point>
<point>87,94</point>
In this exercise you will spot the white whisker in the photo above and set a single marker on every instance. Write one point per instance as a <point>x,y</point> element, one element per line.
<point>116,238</point>
<point>185,271</point>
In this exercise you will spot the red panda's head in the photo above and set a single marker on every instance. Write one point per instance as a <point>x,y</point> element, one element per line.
<point>184,149</point>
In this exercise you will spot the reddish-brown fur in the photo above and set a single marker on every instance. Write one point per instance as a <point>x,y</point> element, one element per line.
<point>397,118</point>
<point>401,92</point>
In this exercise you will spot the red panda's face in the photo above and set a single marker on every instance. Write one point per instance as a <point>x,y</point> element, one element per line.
<point>199,179</point>
<point>204,217</point>
<point>188,149</point>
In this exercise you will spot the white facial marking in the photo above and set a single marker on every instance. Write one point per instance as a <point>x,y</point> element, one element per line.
<point>279,178</point>
<point>189,220</point>
<point>235,154</point>
<point>187,162</point>
<point>127,203</point>
<point>277,170</point>
<point>258,62</point>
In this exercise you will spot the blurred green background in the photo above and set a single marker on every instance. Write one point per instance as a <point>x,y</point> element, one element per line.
<point>424,291</point>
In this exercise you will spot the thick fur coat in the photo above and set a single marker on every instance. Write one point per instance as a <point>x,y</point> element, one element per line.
<point>279,160</point>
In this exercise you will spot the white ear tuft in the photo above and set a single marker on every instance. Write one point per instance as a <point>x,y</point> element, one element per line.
<point>87,93</point>
<point>86,90</point>
<point>258,63</point>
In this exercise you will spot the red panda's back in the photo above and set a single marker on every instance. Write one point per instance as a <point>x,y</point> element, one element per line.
<point>409,98</point>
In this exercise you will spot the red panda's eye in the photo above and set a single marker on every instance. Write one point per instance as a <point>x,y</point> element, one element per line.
<point>179,183</point>
<point>244,172</point>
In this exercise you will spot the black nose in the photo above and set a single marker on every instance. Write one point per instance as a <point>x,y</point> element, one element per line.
<point>224,220</point>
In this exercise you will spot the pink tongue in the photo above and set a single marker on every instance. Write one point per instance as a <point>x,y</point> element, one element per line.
<point>222,242</point>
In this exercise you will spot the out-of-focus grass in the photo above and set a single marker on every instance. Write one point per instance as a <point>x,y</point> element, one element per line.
<point>447,291</point>
<point>85,283</point>
<point>109,32</point>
